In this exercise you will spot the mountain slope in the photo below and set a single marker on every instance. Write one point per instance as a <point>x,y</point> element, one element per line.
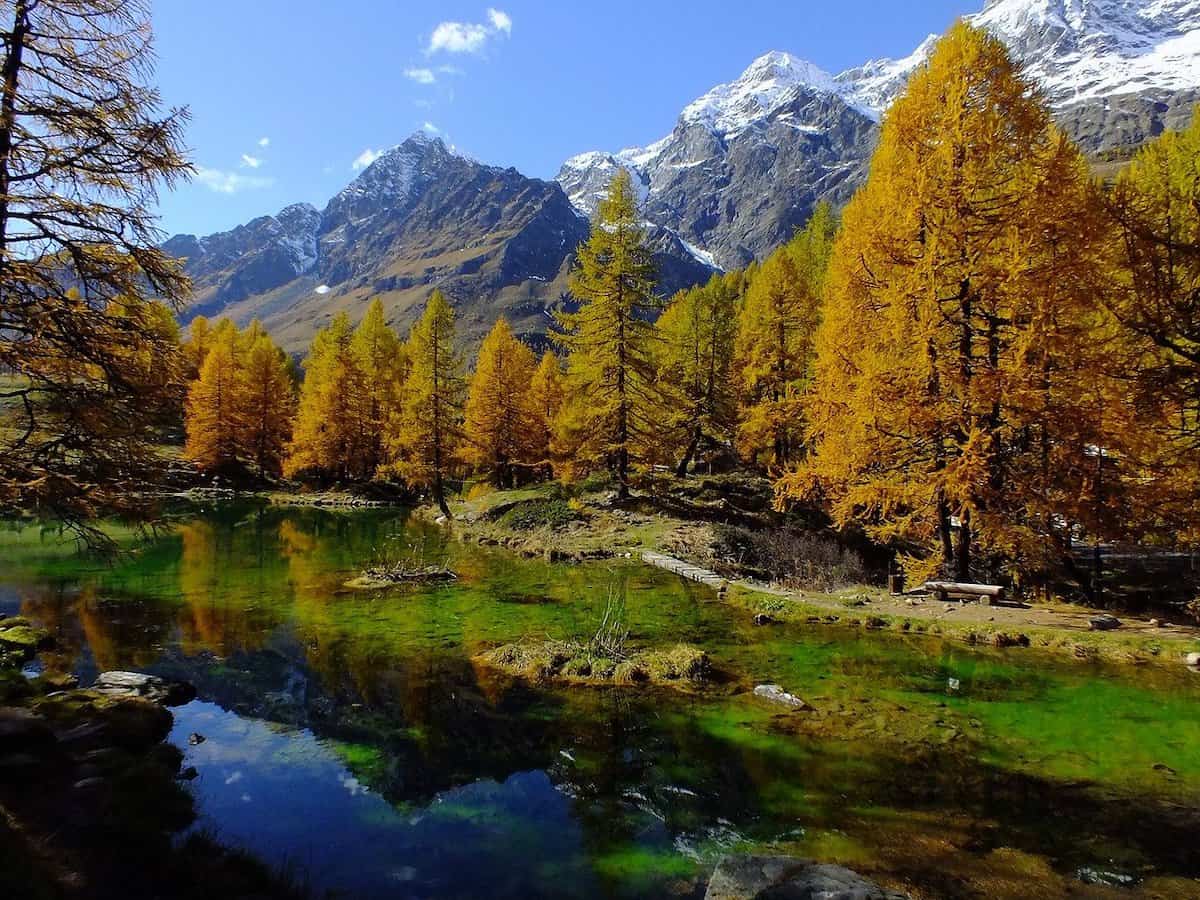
<point>746,161</point>
<point>419,217</point>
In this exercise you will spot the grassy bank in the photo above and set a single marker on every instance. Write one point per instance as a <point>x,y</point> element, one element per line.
<point>567,524</point>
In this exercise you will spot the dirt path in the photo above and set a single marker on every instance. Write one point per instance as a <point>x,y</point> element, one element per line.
<point>1060,617</point>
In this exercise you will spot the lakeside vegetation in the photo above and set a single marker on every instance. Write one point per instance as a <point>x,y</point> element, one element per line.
<point>986,367</point>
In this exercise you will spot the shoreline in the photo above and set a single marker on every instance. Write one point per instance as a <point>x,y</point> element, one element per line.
<point>1058,627</point>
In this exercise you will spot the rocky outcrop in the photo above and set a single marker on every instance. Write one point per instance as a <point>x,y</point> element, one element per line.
<point>787,878</point>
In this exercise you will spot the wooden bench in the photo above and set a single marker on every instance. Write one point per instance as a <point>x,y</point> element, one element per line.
<point>961,591</point>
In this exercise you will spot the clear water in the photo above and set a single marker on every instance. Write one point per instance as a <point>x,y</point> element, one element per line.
<point>351,737</point>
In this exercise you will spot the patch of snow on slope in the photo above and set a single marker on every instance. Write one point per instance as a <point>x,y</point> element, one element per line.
<point>702,256</point>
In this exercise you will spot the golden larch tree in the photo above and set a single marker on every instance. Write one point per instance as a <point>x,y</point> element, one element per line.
<point>609,339</point>
<point>326,437</point>
<point>426,432</point>
<point>960,375</point>
<point>497,429</point>
<point>698,387</point>
<point>544,401</point>
<point>268,405</point>
<point>774,349</point>
<point>214,409</point>
<point>381,359</point>
<point>85,142</point>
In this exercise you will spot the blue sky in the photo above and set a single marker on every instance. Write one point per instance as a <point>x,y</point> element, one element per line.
<point>286,95</point>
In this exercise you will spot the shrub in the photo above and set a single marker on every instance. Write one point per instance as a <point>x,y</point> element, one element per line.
<point>805,559</point>
<point>554,513</point>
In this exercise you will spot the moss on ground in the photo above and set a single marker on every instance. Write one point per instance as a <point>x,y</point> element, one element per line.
<point>681,665</point>
<point>1106,646</point>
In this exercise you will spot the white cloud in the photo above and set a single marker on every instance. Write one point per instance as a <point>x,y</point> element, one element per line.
<point>264,142</point>
<point>365,158</point>
<point>501,21</point>
<point>469,37</point>
<point>458,37</point>
<point>420,76</point>
<point>431,128</point>
<point>251,162</point>
<point>230,182</point>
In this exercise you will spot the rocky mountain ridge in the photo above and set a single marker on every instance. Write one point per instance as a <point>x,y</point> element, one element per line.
<point>1116,72</point>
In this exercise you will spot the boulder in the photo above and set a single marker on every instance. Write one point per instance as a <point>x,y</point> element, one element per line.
<point>788,878</point>
<point>148,687</point>
<point>22,730</point>
<point>1193,659</point>
<point>1104,623</point>
<point>775,694</point>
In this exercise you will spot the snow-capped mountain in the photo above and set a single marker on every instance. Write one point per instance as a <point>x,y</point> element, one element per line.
<point>1116,71</point>
<point>420,216</point>
<point>745,163</point>
<point>1087,49</point>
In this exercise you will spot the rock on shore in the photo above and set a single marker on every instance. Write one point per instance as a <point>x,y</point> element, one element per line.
<point>753,877</point>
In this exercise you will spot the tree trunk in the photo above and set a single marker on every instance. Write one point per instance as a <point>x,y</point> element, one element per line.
<point>681,470</point>
<point>8,114</point>
<point>962,558</point>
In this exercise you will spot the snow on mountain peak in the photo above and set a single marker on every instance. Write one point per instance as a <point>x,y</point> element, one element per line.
<point>1083,49</point>
<point>770,81</point>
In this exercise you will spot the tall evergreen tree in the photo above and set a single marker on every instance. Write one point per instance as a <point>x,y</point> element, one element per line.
<point>428,429</point>
<point>609,340</point>
<point>84,143</point>
<point>499,430</point>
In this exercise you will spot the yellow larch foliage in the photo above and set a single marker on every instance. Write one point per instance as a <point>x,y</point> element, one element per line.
<point>774,349</point>
<point>214,408</point>
<point>425,433</point>
<point>497,431</point>
<point>326,437</point>
<point>960,375</point>
<point>382,361</point>
<point>609,340</point>
<point>696,373</point>
<point>545,400</point>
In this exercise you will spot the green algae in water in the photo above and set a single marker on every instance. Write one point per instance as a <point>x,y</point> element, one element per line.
<point>363,713</point>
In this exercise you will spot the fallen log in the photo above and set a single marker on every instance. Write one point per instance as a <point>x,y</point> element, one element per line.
<point>959,590</point>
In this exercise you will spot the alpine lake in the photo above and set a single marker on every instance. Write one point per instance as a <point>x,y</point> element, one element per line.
<point>353,736</point>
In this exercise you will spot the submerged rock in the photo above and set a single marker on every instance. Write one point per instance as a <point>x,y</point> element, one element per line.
<point>752,877</point>
<point>776,694</point>
<point>148,687</point>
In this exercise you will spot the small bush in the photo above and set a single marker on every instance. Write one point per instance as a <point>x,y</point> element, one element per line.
<point>805,559</point>
<point>539,514</point>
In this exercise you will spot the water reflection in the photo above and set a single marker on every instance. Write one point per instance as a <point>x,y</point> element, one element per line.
<point>353,733</point>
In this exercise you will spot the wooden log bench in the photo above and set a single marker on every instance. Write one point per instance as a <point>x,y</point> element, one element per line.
<point>987,594</point>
